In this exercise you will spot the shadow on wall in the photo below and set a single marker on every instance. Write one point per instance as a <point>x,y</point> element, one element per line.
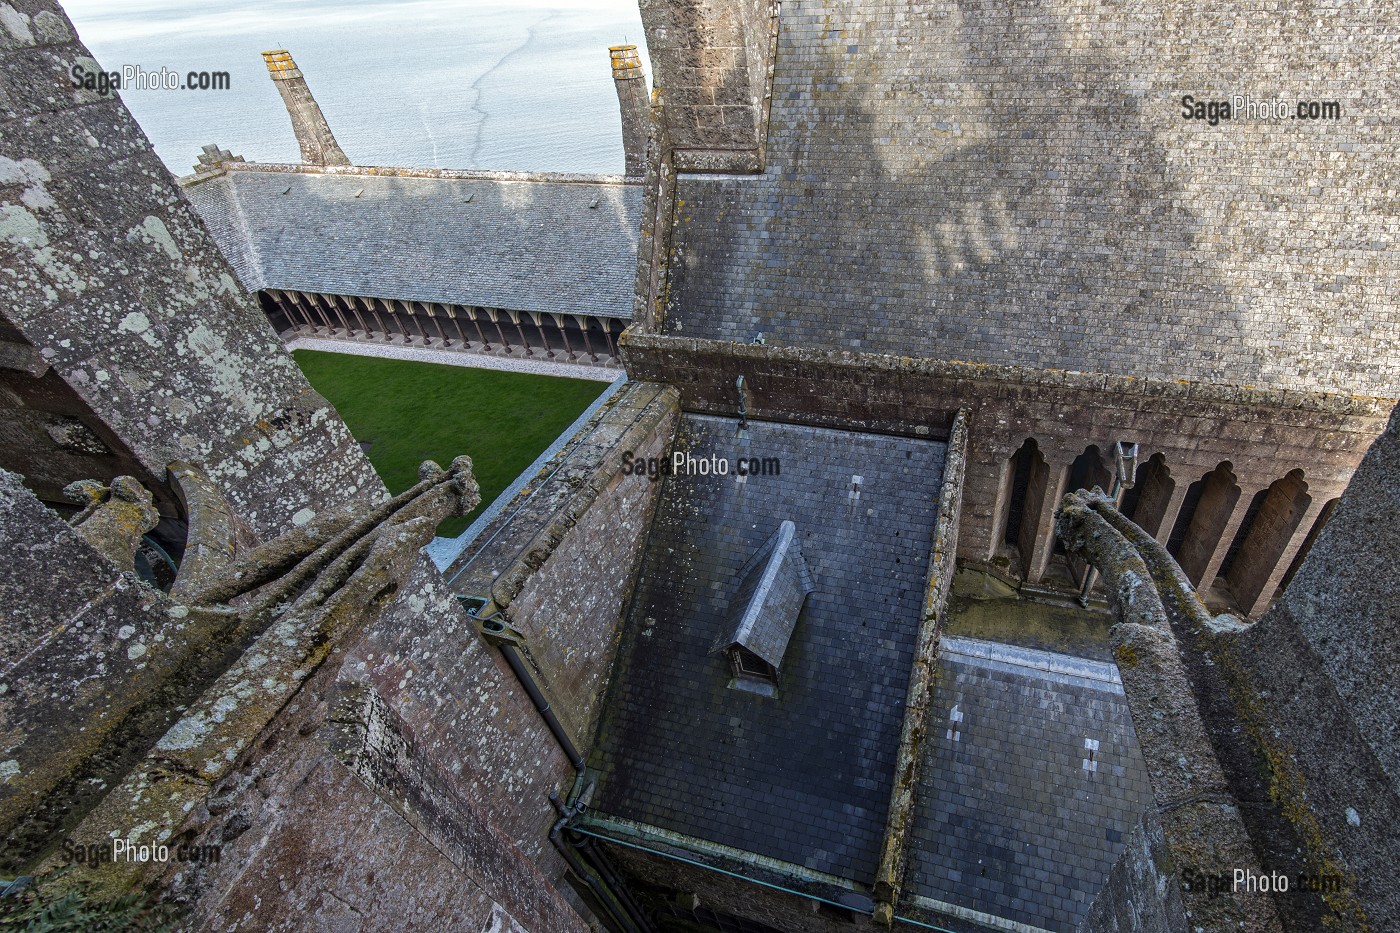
<point>968,182</point>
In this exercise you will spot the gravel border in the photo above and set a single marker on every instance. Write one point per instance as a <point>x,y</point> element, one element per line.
<point>455,358</point>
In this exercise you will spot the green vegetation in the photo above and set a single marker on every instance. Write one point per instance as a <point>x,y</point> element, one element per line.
<point>49,905</point>
<point>411,412</point>
<point>984,607</point>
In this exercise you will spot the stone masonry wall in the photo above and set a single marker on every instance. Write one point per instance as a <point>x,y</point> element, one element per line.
<point>582,566</point>
<point>1315,686</point>
<point>439,825</point>
<point>1264,434</point>
<point>113,278</point>
<point>1017,185</point>
<point>50,436</point>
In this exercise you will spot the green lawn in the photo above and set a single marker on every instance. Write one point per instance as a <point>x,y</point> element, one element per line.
<point>411,412</point>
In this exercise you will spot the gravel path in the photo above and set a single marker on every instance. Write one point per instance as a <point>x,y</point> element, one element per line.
<point>455,358</point>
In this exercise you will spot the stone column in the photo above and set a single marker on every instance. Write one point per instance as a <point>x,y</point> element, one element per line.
<point>318,145</point>
<point>351,304</point>
<point>374,309</point>
<point>1044,544</point>
<point>494,317</point>
<point>335,307</point>
<point>635,103</point>
<point>476,323</point>
<point>1170,514</point>
<point>607,332</point>
<point>1255,607</point>
<point>568,347</point>
<point>587,341</point>
<point>456,324</point>
<point>1227,536</point>
<point>427,307</point>
<point>307,308</point>
<point>519,329</point>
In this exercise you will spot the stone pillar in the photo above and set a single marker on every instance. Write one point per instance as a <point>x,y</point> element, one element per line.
<point>318,145</point>
<point>476,323</point>
<point>1170,513</point>
<point>635,103</point>
<point>1254,606</point>
<point>520,329</point>
<point>1227,537</point>
<point>456,324</point>
<point>607,332</point>
<point>330,302</point>
<point>311,306</point>
<point>568,347</point>
<point>374,309</point>
<point>349,301</point>
<point>1001,506</point>
<point>712,61</point>
<point>494,317</point>
<point>587,341</point>
<point>1043,544</point>
<point>427,307</point>
<point>1211,522</point>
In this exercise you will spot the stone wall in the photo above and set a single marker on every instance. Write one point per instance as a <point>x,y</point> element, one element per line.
<point>114,279</point>
<point>1141,895</point>
<point>1264,435</point>
<point>51,437</point>
<point>79,647</point>
<point>1314,683</point>
<point>567,587</point>
<point>962,181</point>
<point>404,786</point>
<point>423,807</point>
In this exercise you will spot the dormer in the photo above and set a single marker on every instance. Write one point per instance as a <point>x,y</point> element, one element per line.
<point>771,589</point>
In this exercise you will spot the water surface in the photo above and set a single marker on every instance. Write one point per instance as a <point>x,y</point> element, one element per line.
<point>435,83</point>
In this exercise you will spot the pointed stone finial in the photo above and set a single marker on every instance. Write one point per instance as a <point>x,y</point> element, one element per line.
<point>318,145</point>
<point>632,98</point>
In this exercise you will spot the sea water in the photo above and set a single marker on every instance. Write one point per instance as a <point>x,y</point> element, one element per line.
<point>427,83</point>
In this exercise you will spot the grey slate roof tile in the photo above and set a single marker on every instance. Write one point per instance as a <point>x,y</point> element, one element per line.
<point>521,245</point>
<point>1033,834</point>
<point>804,777</point>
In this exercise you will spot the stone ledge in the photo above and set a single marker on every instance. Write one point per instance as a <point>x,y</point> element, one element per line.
<point>639,342</point>
<point>393,171</point>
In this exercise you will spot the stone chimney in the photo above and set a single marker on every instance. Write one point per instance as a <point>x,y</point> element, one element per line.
<point>712,60</point>
<point>318,145</point>
<point>632,98</point>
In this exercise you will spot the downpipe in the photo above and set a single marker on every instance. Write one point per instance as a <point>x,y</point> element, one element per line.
<point>593,868</point>
<point>613,900</point>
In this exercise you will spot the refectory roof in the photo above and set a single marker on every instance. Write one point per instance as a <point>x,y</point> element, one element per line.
<point>560,244</point>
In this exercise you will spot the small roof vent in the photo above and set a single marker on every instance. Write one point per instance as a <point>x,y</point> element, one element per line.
<point>772,588</point>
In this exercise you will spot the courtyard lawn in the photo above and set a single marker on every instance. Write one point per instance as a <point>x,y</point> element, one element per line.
<point>410,412</point>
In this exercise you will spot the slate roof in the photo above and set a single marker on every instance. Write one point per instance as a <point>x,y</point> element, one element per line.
<point>804,776</point>
<point>773,586</point>
<point>522,244</point>
<point>1011,820</point>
